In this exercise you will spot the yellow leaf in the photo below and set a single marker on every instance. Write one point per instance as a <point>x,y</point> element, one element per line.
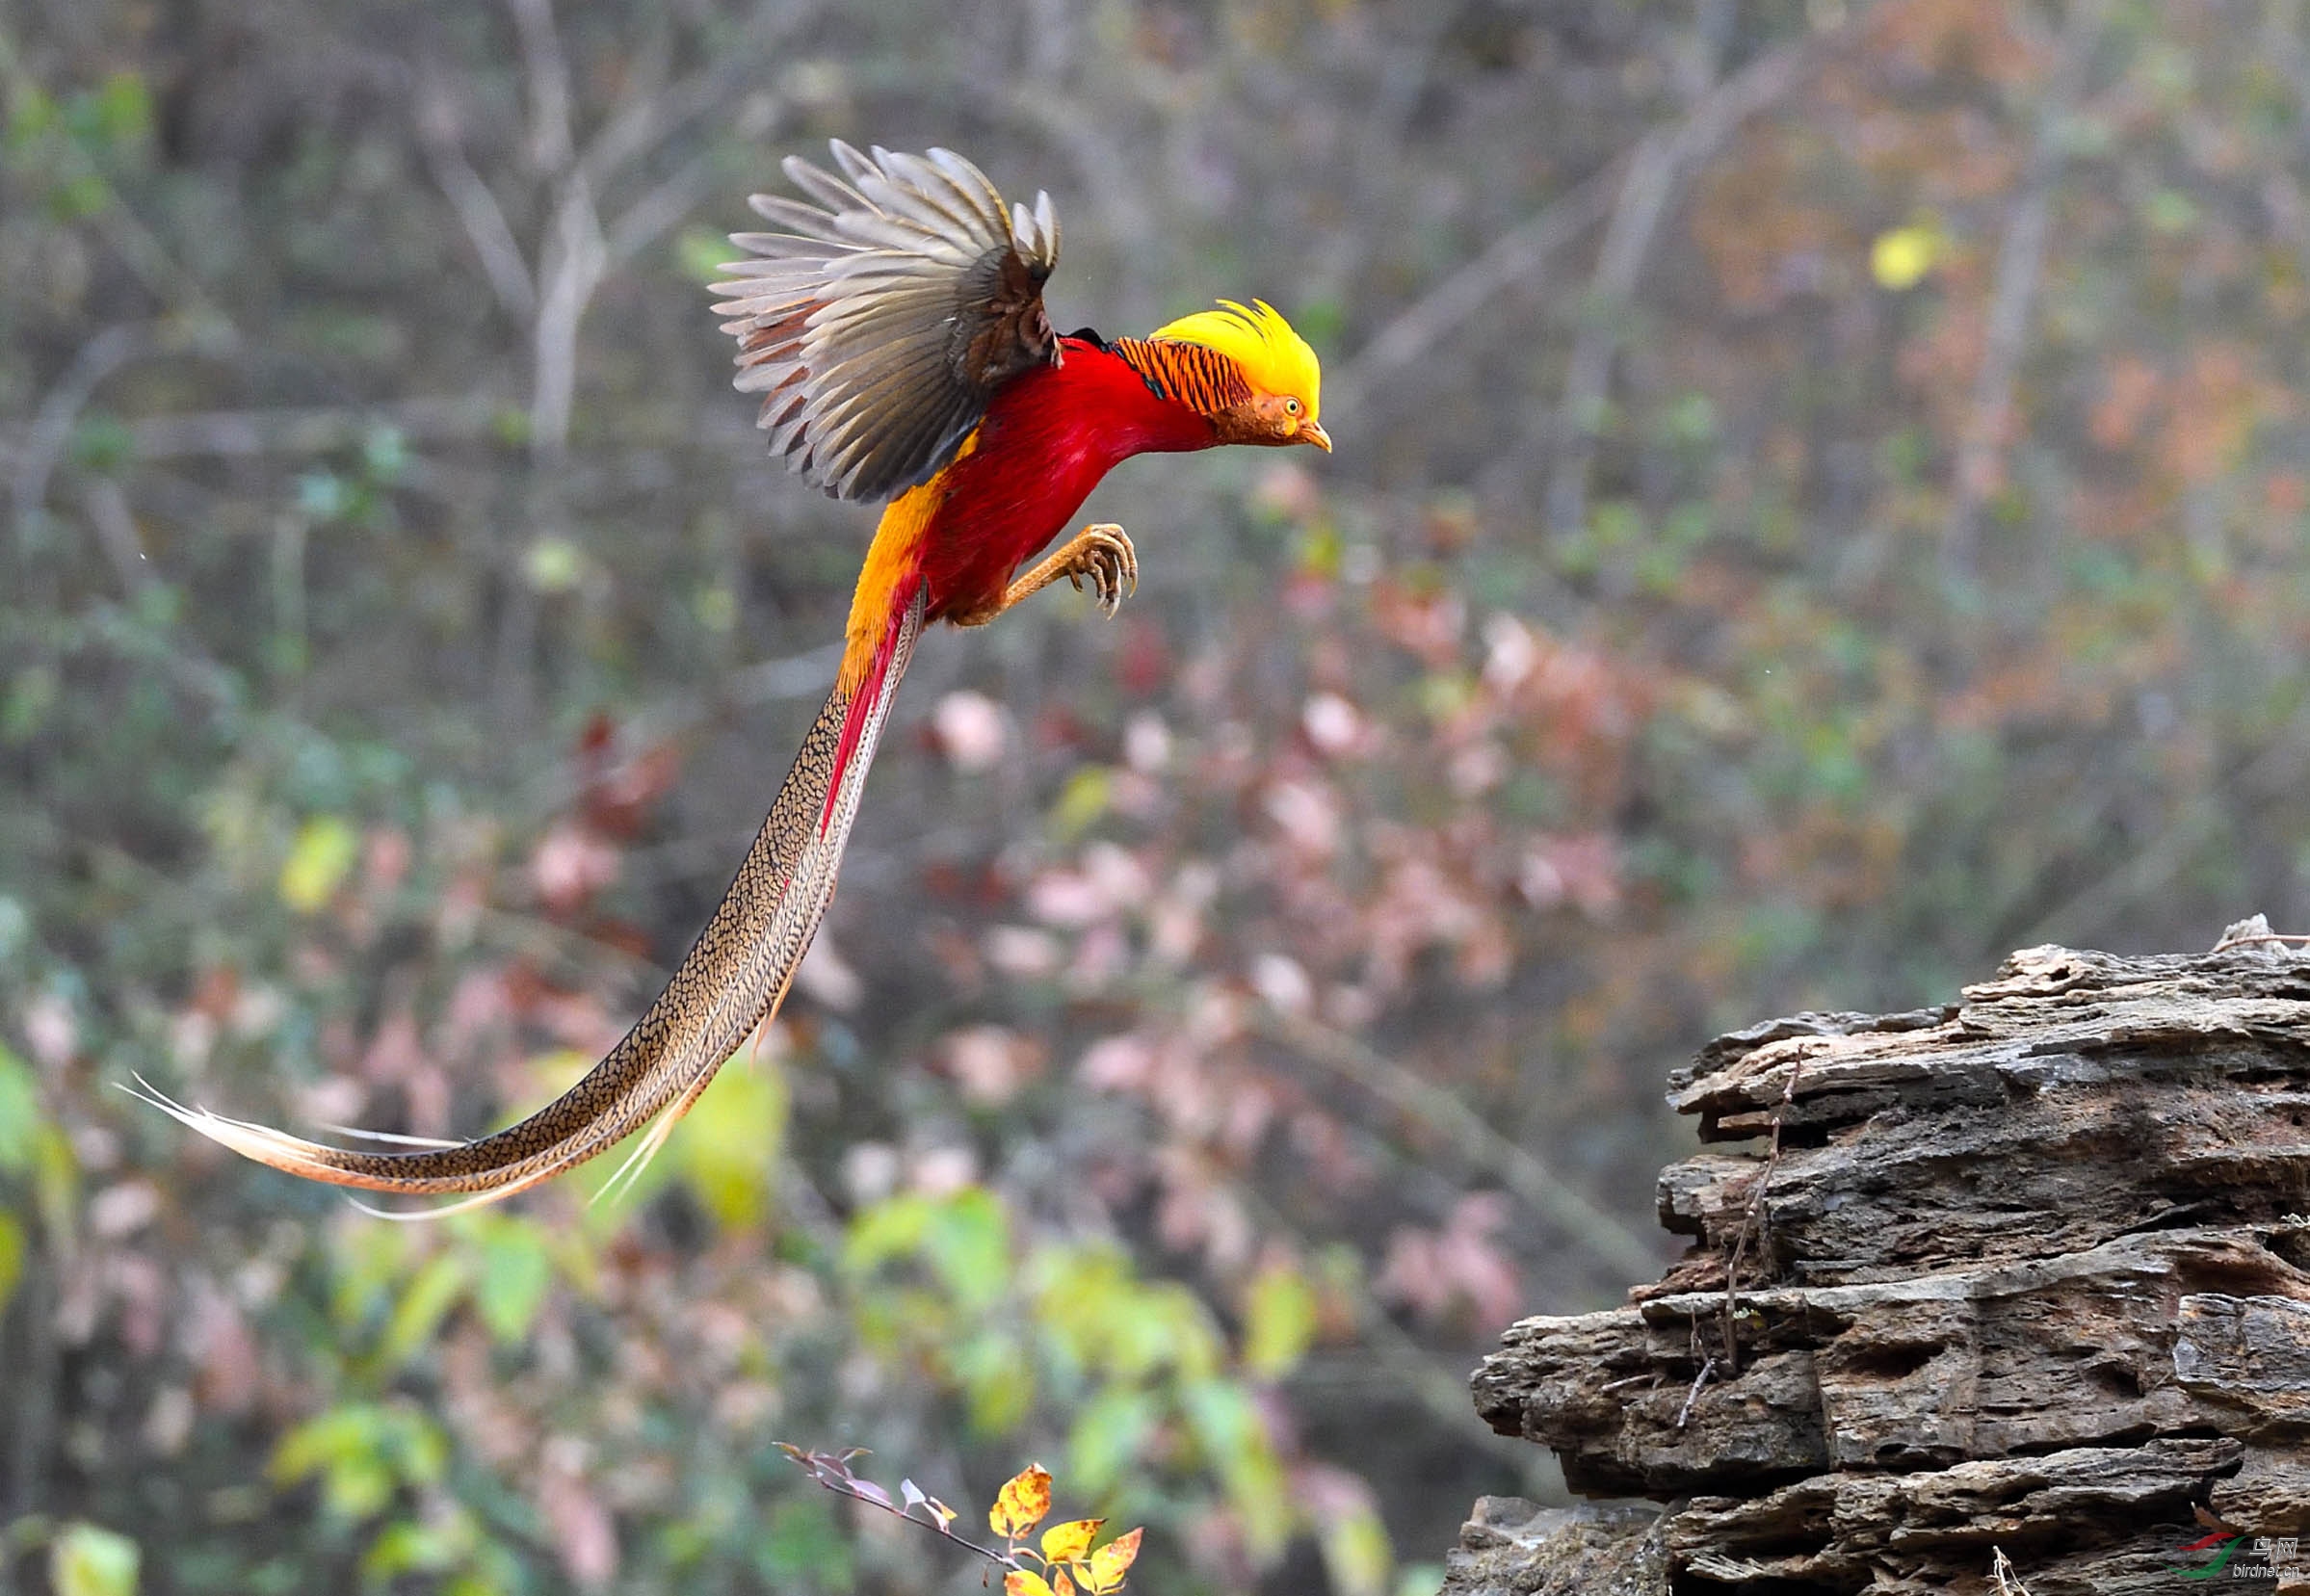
<point>1062,1585</point>
<point>324,852</point>
<point>1025,1499</point>
<point>1019,1583</point>
<point>1105,1570</point>
<point>1901,256</point>
<point>1068,1541</point>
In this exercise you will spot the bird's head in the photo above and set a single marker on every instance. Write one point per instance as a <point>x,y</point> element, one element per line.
<point>1277,364</point>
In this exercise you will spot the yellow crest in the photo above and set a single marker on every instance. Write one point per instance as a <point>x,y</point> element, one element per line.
<point>1275,358</point>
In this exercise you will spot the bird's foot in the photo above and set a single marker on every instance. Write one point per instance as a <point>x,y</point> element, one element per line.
<point>1103,556</point>
<point>1100,555</point>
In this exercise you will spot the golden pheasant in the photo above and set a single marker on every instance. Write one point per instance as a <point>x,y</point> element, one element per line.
<point>895,331</point>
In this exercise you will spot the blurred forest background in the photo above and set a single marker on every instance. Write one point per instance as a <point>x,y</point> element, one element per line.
<point>1819,502</point>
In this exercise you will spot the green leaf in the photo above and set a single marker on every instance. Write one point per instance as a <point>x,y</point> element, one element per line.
<point>54,1177</point>
<point>325,849</point>
<point>363,1453</point>
<point>1420,1578</point>
<point>1228,1432</point>
<point>88,1561</point>
<point>804,1546</point>
<point>998,1381</point>
<point>1082,802</point>
<point>386,454</point>
<point>33,114</point>
<point>554,565</point>
<point>11,1256</point>
<point>367,1262</point>
<point>32,693</point>
<point>123,110</point>
<point>102,443</point>
<point>969,1244</point>
<point>699,254</point>
<point>409,1547</point>
<point>1357,1553</point>
<point>436,1289</point>
<point>1279,1323</point>
<point>1109,1434</point>
<point>517,1272</point>
<point>78,197</point>
<point>21,1118</point>
<point>890,1229</point>
<point>322,1441</point>
<point>728,1146</point>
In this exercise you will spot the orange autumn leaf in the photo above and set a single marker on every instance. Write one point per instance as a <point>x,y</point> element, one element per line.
<point>1068,1542</point>
<point>1019,1583</point>
<point>1105,1569</point>
<point>1024,1500</point>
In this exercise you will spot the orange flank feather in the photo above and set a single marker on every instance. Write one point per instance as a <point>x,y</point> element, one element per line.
<point>894,326</point>
<point>893,560</point>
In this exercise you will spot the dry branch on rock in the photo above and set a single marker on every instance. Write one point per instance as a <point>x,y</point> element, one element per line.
<point>2031,1273</point>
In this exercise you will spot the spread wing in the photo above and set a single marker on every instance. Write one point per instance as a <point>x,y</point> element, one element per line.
<point>880,323</point>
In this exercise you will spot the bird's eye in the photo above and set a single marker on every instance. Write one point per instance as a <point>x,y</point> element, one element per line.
<point>1291,406</point>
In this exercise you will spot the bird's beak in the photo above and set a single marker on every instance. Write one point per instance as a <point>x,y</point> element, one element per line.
<point>1315,435</point>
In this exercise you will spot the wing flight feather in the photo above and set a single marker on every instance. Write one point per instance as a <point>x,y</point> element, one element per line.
<point>879,320</point>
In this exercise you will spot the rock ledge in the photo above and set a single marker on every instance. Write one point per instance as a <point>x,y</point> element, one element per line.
<point>2031,1273</point>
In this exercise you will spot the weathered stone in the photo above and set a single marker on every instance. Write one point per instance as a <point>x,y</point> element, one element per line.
<point>1509,1547</point>
<point>2031,1273</point>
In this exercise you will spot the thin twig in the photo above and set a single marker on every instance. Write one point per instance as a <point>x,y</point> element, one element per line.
<point>1708,1366</point>
<point>576,257</point>
<point>832,1469</point>
<point>1637,217</point>
<point>1602,1233</point>
<point>241,433</point>
<point>2020,265</point>
<point>37,453</point>
<point>476,206</point>
<point>2291,939</point>
<point>2001,1571</point>
<point>650,120</point>
<point>2150,867</point>
<point>1515,257</point>
<point>553,141</point>
<point>1587,376</point>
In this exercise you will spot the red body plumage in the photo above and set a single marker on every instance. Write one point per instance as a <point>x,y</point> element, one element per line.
<point>1047,438</point>
<point>1045,442</point>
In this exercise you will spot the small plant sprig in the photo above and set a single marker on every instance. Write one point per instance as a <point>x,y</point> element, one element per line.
<point>1065,1565</point>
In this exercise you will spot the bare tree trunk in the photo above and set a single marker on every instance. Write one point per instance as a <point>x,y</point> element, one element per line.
<point>2029,1274</point>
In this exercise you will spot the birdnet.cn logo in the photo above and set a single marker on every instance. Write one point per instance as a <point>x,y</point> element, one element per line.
<point>2230,1554</point>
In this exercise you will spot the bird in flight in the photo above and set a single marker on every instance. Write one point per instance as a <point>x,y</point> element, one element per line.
<point>894,326</point>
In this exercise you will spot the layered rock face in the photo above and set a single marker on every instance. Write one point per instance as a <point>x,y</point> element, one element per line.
<point>2026,1276</point>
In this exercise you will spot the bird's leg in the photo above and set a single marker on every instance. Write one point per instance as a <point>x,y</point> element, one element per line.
<point>1102,555</point>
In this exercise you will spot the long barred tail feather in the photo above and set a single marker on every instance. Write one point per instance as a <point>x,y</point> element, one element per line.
<point>732,979</point>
